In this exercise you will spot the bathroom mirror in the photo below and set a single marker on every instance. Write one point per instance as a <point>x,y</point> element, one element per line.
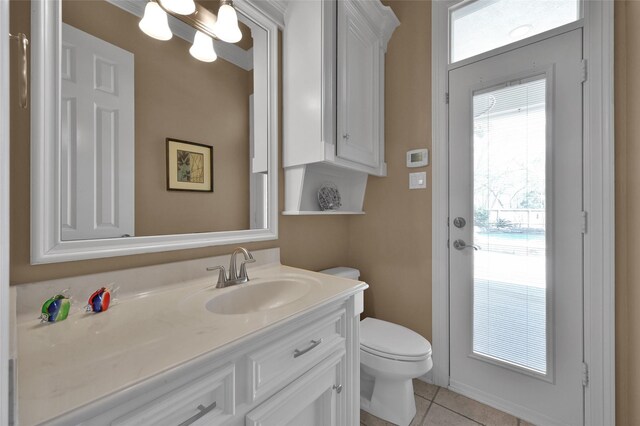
<point>138,147</point>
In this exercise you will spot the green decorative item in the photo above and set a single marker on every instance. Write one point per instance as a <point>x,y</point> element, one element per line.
<point>55,309</point>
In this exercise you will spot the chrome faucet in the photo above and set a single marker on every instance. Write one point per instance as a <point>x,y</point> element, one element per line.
<point>234,277</point>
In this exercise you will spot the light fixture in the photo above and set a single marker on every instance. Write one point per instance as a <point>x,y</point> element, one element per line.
<point>181,7</point>
<point>520,31</point>
<point>226,27</point>
<point>154,22</point>
<point>202,48</point>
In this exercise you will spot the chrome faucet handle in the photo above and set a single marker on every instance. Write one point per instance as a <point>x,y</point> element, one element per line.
<point>243,269</point>
<point>222,275</point>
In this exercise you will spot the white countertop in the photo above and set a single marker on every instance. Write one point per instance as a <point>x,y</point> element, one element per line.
<point>66,365</point>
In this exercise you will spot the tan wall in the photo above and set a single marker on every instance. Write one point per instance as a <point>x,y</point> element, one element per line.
<point>627,133</point>
<point>391,244</point>
<point>168,83</point>
<point>308,242</point>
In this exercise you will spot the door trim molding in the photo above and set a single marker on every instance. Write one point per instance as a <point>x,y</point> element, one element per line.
<point>599,241</point>
<point>4,213</point>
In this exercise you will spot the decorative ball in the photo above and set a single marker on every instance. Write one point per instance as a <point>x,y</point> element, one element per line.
<point>329,197</point>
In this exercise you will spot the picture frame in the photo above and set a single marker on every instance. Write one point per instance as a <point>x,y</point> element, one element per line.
<point>189,166</point>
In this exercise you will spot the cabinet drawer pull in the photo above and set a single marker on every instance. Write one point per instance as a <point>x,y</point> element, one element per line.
<point>338,388</point>
<point>313,344</point>
<point>202,411</point>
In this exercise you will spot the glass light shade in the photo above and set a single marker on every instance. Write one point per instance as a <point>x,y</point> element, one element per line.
<point>226,27</point>
<point>202,48</point>
<point>154,22</point>
<point>181,7</point>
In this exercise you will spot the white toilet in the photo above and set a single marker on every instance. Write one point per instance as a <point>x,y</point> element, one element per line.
<point>390,357</point>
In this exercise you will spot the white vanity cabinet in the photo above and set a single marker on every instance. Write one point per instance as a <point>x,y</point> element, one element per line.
<point>301,371</point>
<point>333,97</point>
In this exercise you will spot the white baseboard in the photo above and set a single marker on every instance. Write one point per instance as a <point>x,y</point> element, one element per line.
<point>503,405</point>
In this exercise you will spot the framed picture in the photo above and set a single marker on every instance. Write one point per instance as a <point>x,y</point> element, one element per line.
<point>189,166</point>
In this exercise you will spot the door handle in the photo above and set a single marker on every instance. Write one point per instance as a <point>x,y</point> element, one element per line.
<point>461,245</point>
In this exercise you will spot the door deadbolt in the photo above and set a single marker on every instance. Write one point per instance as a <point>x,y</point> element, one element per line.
<point>459,222</point>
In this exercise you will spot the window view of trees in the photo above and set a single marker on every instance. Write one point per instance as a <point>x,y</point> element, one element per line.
<point>509,158</point>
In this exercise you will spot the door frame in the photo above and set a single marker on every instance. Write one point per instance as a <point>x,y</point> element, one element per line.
<point>4,213</point>
<point>598,194</point>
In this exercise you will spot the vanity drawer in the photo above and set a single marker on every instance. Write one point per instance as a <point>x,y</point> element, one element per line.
<point>276,364</point>
<point>208,400</point>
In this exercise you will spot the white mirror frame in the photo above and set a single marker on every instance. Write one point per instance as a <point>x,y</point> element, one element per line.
<point>46,243</point>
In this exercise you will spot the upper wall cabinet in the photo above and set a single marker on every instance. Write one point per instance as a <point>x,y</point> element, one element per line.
<point>333,90</point>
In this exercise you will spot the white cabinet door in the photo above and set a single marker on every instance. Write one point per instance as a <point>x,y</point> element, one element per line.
<point>97,138</point>
<point>359,89</point>
<point>315,399</point>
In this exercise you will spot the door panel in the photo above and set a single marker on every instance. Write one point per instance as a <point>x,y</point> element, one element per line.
<point>516,178</point>
<point>358,137</point>
<point>97,138</point>
<point>315,399</point>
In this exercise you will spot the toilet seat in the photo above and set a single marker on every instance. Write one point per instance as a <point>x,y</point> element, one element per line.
<point>392,341</point>
<point>393,357</point>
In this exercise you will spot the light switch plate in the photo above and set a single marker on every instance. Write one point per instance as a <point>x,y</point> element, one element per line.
<point>418,180</point>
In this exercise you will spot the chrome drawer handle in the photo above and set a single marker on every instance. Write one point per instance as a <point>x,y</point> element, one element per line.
<point>338,388</point>
<point>202,411</point>
<point>313,344</point>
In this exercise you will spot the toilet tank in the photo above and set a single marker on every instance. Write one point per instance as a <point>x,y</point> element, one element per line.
<point>343,271</point>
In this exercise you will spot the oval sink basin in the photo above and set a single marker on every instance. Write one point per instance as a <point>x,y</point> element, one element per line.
<point>256,297</point>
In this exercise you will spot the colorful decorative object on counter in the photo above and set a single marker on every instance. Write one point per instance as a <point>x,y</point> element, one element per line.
<point>55,309</point>
<point>99,301</point>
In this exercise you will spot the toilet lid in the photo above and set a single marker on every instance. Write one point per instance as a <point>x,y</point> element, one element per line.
<point>392,340</point>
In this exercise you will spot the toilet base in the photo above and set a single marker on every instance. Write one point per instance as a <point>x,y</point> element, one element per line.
<point>391,400</point>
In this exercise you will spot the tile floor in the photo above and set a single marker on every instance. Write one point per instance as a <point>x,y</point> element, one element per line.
<point>437,406</point>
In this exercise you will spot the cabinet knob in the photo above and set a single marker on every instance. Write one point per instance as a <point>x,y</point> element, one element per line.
<point>338,388</point>
<point>346,136</point>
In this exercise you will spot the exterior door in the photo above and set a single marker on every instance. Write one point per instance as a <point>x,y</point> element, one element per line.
<point>516,230</point>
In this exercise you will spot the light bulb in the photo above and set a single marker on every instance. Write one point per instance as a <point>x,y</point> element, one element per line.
<point>181,7</point>
<point>226,27</point>
<point>202,48</point>
<point>154,22</point>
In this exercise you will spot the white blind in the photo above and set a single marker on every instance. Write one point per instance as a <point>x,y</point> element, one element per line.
<point>510,288</point>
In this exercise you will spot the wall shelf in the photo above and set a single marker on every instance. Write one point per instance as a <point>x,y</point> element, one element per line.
<point>319,213</point>
<point>301,184</point>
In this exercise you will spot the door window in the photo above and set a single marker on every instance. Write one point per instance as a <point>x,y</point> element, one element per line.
<point>509,207</point>
<point>482,25</point>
